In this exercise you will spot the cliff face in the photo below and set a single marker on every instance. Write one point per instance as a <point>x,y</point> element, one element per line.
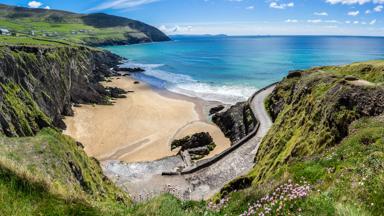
<point>37,88</point>
<point>39,84</point>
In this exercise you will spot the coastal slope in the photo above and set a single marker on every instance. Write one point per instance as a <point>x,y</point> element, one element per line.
<point>43,172</point>
<point>326,141</point>
<point>91,29</point>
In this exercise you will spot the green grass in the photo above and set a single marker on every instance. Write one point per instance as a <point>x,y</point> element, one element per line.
<point>84,34</point>
<point>371,71</point>
<point>20,196</point>
<point>313,116</point>
<point>40,175</point>
<point>10,40</point>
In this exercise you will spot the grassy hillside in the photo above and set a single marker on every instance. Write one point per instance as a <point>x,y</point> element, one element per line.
<point>50,174</point>
<point>313,109</point>
<point>92,29</point>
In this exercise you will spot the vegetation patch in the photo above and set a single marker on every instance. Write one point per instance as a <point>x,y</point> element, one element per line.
<point>50,174</point>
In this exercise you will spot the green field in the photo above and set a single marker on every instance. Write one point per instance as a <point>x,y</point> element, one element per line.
<point>89,29</point>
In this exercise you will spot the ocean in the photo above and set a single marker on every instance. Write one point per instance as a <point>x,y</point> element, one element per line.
<point>230,69</point>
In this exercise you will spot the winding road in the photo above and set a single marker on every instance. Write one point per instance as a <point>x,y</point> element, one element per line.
<point>145,180</point>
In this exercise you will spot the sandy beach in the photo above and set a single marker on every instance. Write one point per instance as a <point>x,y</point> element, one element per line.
<point>141,126</point>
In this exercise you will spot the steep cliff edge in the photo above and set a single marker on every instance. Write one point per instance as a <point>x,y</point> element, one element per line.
<point>39,84</point>
<point>43,172</point>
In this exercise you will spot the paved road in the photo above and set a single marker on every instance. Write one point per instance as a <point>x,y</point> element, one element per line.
<point>144,180</point>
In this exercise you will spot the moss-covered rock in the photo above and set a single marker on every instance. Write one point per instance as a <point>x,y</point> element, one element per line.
<point>40,83</point>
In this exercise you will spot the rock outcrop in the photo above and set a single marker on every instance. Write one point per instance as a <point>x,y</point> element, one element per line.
<point>39,84</point>
<point>127,69</point>
<point>197,145</point>
<point>237,122</point>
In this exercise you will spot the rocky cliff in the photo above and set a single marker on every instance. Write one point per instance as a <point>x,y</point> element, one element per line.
<point>236,122</point>
<point>42,171</point>
<point>39,84</point>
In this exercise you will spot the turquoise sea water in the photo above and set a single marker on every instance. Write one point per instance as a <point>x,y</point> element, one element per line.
<point>230,69</point>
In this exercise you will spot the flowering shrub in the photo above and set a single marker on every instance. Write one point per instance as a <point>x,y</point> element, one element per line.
<point>277,202</point>
<point>217,206</point>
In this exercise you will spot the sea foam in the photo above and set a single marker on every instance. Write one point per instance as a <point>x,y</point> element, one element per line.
<point>155,76</point>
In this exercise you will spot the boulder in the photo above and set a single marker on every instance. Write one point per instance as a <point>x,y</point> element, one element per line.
<point>130,70</point>
<point>196,140</point>
<point>197,145</point>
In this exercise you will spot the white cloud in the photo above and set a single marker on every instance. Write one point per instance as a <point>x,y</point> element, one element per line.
<point>276,28</point>
<point>276,5</point>
<point>250,7</point>
<point>331,21</point>
<point>351,2</point>
<point>353,13</point>
<point>34,4</point>
<point>291,21</point>
<point>321,13</point>
<point>373,22</point>
<point>315,21</point>
<point>47,7</point>
<point>122,4</point>
<point>175,29</point>
<point>348,2</point>
<point>378,8</point>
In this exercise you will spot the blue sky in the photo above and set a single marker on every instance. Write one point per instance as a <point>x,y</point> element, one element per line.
<point>238,17</point>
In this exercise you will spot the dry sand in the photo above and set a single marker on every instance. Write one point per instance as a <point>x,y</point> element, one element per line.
<point>139,127</point>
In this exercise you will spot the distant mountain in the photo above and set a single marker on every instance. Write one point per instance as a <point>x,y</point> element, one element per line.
<point>90,29</point>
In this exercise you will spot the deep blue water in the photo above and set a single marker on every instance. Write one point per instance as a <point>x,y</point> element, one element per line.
<point>230,69</point>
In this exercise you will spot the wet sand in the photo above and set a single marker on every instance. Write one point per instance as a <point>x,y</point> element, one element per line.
<point>141,126</point>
